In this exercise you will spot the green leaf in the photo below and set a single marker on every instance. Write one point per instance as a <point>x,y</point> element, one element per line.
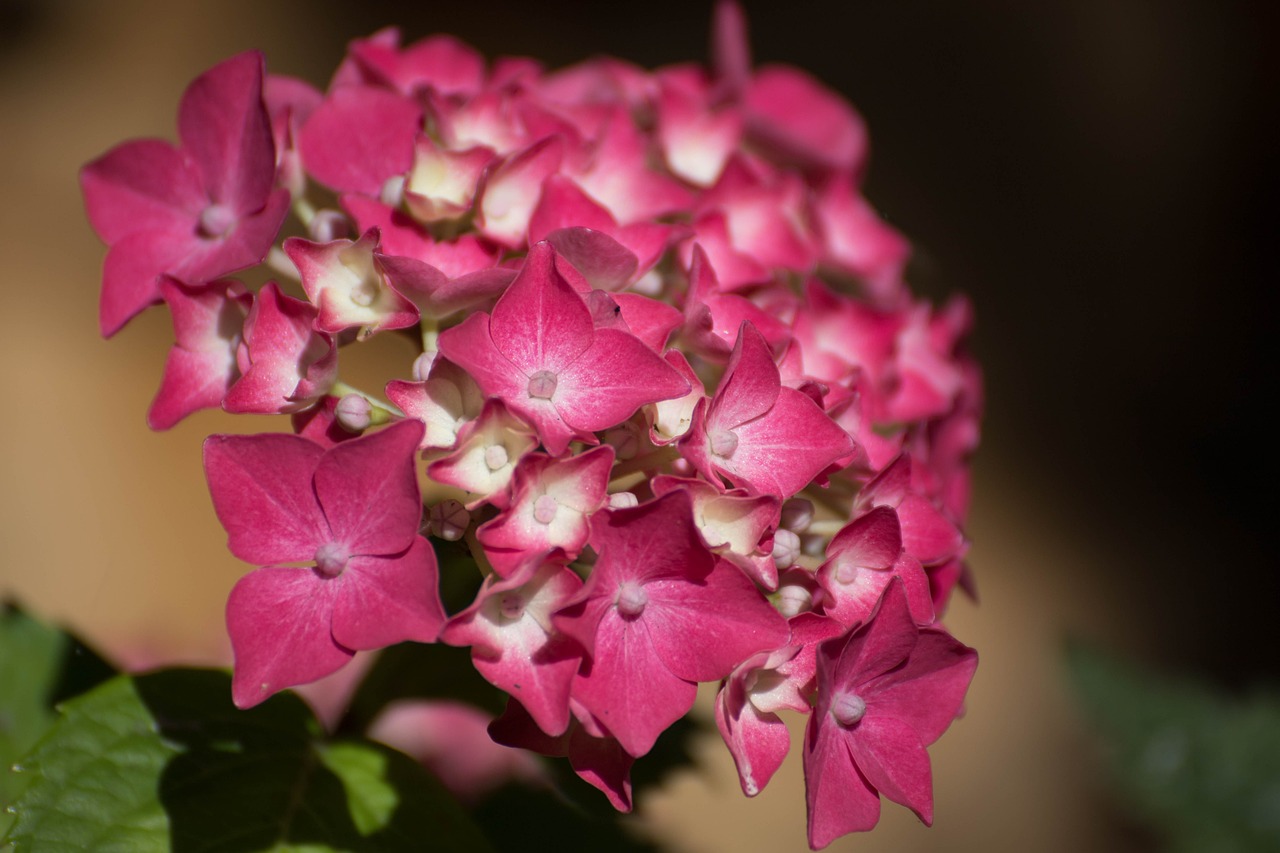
<point>39,666</point>
<point>166,762</point>
<point>1200,767</point>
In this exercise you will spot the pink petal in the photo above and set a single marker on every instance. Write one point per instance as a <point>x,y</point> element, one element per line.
<point>758,742</point>
<point>801,119</point>
<point>783,451</point>
<point>627,686</point>
<point>891,757</point>
<point>359,137</point>
<point>278,620</point>
<point>840,800</point>
<point>381,601</point>
<point>261,490</point>
<point>223,123</point>
<point>613,378</point>
<point>540,323</point>
<point>368,489</point>
<point>928,690</point>
<point>750,383</point>
<point>701,631</point>
<point>143,185</point>
<point>131,275</point>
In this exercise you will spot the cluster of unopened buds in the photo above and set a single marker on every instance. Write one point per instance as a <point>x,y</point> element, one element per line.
<point>668,382</point>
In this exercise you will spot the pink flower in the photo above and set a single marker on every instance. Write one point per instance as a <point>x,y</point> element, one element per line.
<point>657,615</point>
<point>768,438</point>
<point>196,212</point>
<point>351,511</point>
<point>541,355</point>
<point>885,692</point>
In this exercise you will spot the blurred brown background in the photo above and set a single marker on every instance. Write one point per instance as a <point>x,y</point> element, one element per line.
<point>1093,174</point>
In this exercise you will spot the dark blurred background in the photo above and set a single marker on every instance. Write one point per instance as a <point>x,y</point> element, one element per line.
<point>1093,173</point>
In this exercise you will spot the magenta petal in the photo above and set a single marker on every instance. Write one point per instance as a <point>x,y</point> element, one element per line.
<point>279,620</point>
<point>386,600</point>
<point>701,631</point>
<point>143,185</point>
<point>627,687</point>
<point>890,755</point>
<point>758,742</point>
<point>928,690</point>
<point>261,489</point>
<point>359,137</point>
<point>368,489</point>
<point>192,381</point>
<point>884,641</point>
<point>604,262</point>
<point>783,451</point>
<point>604,764</point>
<point>540,323</point>
<point>839,799</point>
<point>223,122</point>
<point>131,275</point>
<point>750,384</point>
<point>612,379</point>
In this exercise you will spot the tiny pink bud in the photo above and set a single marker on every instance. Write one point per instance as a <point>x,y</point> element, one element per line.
<point>496,457</point>
<point>848,709</point>
<point>216,220</point>
<point>631,600</point>
<point>797,513</point>
<point>794,599</point>
<point>542,385</point>
<point>448,520</point>
<point>331,558</point>
<point>354,413</point>
<point>786,548</point>
<point>329,225</point>
<point>623,500</point>
<point>544,509</point>
<point>723,442</point>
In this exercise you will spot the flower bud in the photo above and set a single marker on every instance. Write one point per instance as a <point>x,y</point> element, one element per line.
<point>329,225</point>
<point>786,548</point>
<point>354,413</point>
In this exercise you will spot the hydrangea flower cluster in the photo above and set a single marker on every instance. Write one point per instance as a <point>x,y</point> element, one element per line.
<point>671,388</point>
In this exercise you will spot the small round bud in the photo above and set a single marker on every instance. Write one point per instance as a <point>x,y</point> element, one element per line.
<point>848,709</point>
<point>794,599</point>
<point>623,500</point>
<point>544,509</point>
<point>495,457</point>
<point>328,225</point>
<point>786,548</point>
<point>448,520</point>
<point>631,600</point>
<point>354,413</point>
<point>797,513</point>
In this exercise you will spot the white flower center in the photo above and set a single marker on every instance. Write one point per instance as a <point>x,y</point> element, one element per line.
<point>216,220</point>
<point>495,457</point>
